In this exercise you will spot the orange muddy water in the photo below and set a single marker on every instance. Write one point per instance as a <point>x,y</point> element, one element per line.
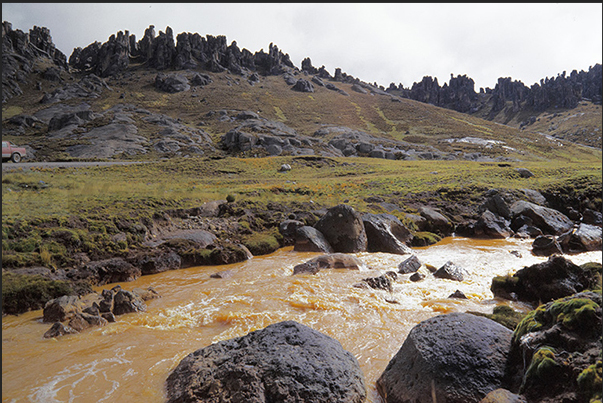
<point>129,360</point>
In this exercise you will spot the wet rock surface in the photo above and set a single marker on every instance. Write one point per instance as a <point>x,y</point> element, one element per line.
<point>456,357</point>
<point>283,362</point>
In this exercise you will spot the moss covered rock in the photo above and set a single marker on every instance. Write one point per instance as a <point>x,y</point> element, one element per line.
<point>556,351</point>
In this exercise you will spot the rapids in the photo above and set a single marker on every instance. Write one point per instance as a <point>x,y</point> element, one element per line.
<point>129,360</point>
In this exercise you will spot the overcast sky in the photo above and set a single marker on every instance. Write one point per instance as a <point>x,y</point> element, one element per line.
<point>380,42</point>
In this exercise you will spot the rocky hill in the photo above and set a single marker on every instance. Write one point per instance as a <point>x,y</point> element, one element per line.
<point>162,96</point>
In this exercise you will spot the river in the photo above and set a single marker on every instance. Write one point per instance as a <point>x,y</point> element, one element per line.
<point>129,360</point>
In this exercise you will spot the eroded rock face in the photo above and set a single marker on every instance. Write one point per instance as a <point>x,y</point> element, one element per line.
<point>458,357</point>
<point>284,362</point>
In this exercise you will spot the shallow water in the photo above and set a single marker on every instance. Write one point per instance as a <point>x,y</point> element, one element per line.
<point>130,359</point>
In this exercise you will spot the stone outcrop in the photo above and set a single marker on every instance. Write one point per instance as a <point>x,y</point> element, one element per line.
<point>283,362</point>
<point>19,52</point>
<point>563,91</point>
<point>454,358</point>
<point>187,51</point>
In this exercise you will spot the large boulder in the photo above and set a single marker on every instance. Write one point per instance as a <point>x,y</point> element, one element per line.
<point>343,228</point>
<point>309,239</point>
<point>330,261</point>
<point>586,238</point>
<point>546,281</point>
<point>385,233</point>
<point>303,86</point>
<point>551,222</point>
<point>62,308</point>
<point>492,226</point>
<point>128,302</point>
<point>435,221</point>
<point>171,83</point>
<point>284,362</point>
<point>453,358</point>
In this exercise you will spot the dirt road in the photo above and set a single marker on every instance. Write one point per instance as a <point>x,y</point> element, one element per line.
<point>10,166</point>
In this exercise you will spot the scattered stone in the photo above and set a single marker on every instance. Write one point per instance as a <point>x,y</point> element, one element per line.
<point>458,294</point>
<point>410,265</point>
<point>59,329</point>
<point>524,173</point>
<point>222,274</point>
<point>171,83</point>
<point>303,86</point>
<point>330,261</point>
<point>451,271</point>
<point>546,245</point>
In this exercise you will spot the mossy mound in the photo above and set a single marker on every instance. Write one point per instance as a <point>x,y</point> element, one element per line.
<point>504,315</point>
<point>556,351</point>
<point>23,292</point>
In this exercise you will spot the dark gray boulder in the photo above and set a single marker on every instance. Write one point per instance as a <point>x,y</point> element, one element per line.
<point>492,226</point>
<point>453,358</point>
<point>127,302</point>
<point>592,217</point>
<point>546,281</point>
<point>343,228</point>
<point>386,233</point>
<point>309,239</point>
<point>288,228</point>
<point>410,265</point>
<point>435,221</point>
<point>303,86</point>
<point>62,308</point>
<point>171,83</point>
<point>284,362</point>
<point>59,329</point>
<point>330,261</point>
<point>551,222</point>
<point>451,271</point>
<point>588,237</point>
<point>200,79</point>
<point>546,245</point>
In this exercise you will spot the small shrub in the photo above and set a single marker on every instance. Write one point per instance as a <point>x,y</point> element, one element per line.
<point>230,198</point>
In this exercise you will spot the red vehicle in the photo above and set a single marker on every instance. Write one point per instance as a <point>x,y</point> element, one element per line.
<point>12,152</point>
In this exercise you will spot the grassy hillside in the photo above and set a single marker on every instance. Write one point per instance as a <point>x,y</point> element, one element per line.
<point>376,114</point>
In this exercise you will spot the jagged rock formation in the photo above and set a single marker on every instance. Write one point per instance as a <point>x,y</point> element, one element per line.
<point>459,94</point>
<point>19,52</point>
<point>161,52</point>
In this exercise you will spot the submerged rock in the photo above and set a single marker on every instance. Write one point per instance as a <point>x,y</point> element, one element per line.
<point>330,261</point>
<point>284,362</point>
